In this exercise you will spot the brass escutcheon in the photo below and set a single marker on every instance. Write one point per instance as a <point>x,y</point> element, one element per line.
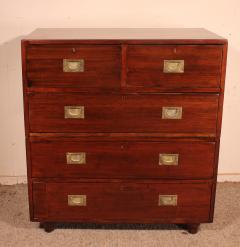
<point>73,65</point>
<point>77,200</point>
<point>74,112</point>
<point>167,200</point>
<point>170,112</point>
<point>168,159</point>
<point>76,158</point>
<point>173,66</point>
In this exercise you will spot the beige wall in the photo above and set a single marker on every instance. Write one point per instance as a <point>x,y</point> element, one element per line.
<point>18,18</point>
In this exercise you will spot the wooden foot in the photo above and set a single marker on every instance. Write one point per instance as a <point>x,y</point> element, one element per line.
<point>193,228</point>
<point>47,226</point>
<point>183,226</point>
<point>41,225</point>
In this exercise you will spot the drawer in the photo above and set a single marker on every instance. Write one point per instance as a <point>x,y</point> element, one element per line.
<point>115,159</point>
<point>123,202</point>
<point>166,113</point>
<point>74,66</point>
<point>174,67</point>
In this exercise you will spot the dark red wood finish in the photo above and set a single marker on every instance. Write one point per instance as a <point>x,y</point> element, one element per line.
<point>101,66</point>
<point>26,125</point>
<point>219,126</point>
<point>123,89</point>
<point>39,206</point>
<point>114,159</point>
<point>124,113</point>
<point>128,202</point>
<point>202,66</point>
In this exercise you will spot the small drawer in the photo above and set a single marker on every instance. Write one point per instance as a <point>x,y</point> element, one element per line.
<point>174,67</point>
<point>115,159</point>
<point>125,202</point>
<point>166,113</point>
<point>85,66</point>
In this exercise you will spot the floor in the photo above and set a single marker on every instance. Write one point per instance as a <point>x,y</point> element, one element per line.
<point>16,230</point>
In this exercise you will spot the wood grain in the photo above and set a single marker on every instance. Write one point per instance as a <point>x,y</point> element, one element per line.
<point>123,113</point>
<point>101,66</point>
<point>202,66</point>
<point>129,202</point>
<point>39,201</point>
<point>123,90</point>
<point>123,159</point>
<point>219,126</point>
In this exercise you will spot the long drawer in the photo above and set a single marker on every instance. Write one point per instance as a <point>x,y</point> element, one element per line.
<point>163,113</point>
<point>132,202</point>
<point>115,159</point>
<point>174,67</point>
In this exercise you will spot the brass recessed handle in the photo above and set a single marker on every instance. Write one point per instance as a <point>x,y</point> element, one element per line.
<point>76,158</point>
<point>74,112</point>
<point>73,65</point>
<point>77,200</point>
<point>168,159</point>
<point>173,66</point>
<point>169,112</point>
<point>167,200</point>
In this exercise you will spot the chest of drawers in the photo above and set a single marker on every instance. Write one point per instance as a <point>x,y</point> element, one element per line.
<point>123,125</point>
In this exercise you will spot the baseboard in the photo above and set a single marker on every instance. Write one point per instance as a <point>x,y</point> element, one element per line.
<point>228,177</point>
<point>9,180</point>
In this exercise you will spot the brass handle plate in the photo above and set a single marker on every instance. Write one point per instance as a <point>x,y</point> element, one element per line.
<point>167,200</point>
<point>169,112</point>
<point>77,200</point>
<point>76,158</point>
<point>168,159</point>
<point>173,66</point>
<point>74,112</point>
<point>73,65</point>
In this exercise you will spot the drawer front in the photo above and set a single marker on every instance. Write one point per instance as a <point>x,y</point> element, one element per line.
<point>173,113</point>
<point>74,66</point>
<point>133,202</point>
<point>174,67</point>
<point>114,159</point>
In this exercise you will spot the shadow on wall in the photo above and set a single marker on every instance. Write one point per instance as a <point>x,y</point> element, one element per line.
<point>229,148</point>
<point>12,143</point>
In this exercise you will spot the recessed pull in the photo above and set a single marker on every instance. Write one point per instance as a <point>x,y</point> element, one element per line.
<point>73,65</point>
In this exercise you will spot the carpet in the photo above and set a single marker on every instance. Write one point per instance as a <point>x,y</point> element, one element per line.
<point>17,230</point>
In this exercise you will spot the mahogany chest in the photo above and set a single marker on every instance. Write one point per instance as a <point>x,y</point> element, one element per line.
<point>123,125</point>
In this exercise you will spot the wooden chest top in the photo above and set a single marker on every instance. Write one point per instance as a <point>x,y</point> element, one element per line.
<point>179,35</point>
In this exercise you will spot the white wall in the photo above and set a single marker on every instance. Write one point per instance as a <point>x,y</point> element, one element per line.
<point>18,18</point>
